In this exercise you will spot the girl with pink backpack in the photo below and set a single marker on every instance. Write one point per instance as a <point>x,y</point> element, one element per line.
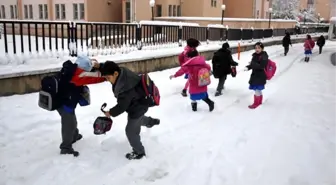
<point>192,44</point>
<point>309,44</point>
<point>199,79</point>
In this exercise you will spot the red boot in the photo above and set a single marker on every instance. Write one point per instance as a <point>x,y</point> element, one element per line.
<point>256,103</point>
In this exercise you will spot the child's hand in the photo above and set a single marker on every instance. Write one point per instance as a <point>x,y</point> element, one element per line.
<point>246,69</point>
<point>107,114</point>
<point>171,77</point>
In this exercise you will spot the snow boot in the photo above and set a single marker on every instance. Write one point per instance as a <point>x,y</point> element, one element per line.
<point>256,103</point>
<point>210,103</point>
<point>305,59</point>
<point>218,93</point>
<point>133,155</point>
<point>79,137</point>
<point>69,151</point>
<point>153,123</point>
<point>194,106</point>
<point>184,93</point>
<point>308,59</point>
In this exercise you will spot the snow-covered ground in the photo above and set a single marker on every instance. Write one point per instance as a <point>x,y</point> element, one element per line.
<point>50,61</point>
<point>289,140</point>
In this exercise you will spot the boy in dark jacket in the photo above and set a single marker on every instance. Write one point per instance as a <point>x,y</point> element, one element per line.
<point>73,77</point>
<point>320,42</point>
<point>127,88</point>
<point>286,41</point>
<point>258,77</point>
<point>221,64</point>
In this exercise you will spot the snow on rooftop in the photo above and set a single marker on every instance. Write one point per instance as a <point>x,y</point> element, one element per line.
<point>219,19</point>
<point>169,23</point>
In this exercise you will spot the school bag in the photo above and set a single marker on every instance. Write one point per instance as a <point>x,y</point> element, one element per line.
<point>204,77</point>
<point>152,93</point>
<point>270,69</point>
<point>102,124</point>
<point>49,96</point>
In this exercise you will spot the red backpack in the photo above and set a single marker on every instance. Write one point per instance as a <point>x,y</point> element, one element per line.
<point>270,69</point>
<point>152,93</point>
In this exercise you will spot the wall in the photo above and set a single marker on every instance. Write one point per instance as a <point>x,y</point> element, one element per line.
<point>7,4</point>
<point>28,83</point>
<point>68,8</point>
<point>104,11</point>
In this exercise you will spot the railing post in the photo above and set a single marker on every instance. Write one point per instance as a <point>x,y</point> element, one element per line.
<point>227,33</point>
<point>241,34</point>
<point>272,32</point>
<point>138,36</point>
<point>179,35</point>
<point>207,35</point>
<point>252,33</point>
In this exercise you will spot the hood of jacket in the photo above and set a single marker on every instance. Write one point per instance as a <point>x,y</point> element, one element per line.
<point>126,81</point>
<point>198,60</point>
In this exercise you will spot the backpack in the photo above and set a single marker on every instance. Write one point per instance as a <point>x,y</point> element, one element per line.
<point>270,69</point>
<point>49,98</point>
<point>152,94</point>
<point>203,77</point>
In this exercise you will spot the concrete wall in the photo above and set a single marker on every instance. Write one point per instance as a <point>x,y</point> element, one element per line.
<point>28,83</point>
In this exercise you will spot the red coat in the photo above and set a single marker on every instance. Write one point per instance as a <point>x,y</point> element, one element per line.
<point>82,77</point>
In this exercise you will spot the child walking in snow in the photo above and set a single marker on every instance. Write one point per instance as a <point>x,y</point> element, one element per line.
<point>258,76</point>
<point>309,44</point>
<point>192,44</point>
<point>193,67</point>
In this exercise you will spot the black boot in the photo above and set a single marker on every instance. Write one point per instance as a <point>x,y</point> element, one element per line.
<point>77,138</point>
<point>194,106</point>
<point>308,59</point>
<point>210,103</point>
<point>133,155</point>
<point>184,93</point>
<point>69,151</point>
<point>218,93</point>
<point>153,122</point>
<point>305,59</point>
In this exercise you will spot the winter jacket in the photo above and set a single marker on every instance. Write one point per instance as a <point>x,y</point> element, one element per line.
<point>286,41</point>
<point>222,62</point>
<point>72,80</point>
<point>192,67</point>
<point>129,94</point>
<point>309,44</point>
<point>258,65</point>
<point>183,56</point>
<point>320,41</point>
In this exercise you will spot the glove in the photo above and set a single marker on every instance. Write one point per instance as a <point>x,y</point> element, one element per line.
<point>171,76</point>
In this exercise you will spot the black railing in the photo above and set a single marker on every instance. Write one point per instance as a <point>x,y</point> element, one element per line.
<point>21,37</point>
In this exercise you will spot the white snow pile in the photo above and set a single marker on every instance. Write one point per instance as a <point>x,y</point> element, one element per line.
<point>220,18</point>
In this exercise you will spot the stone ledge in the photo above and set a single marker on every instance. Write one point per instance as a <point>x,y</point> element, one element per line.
<point>23,83</point>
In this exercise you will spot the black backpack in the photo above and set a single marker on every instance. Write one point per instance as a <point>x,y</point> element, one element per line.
<point>49,95</point>
<point>152,94</point>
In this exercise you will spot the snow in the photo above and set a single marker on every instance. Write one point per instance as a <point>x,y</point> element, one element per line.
<point>289,140</point>
<point>333,20</point>
<point>12,65</point>
<point>220,18</point>
<point>169,23</point>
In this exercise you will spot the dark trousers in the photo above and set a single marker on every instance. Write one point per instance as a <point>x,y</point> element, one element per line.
<point>320,49</point>
<point>133,129</point>
<point>221,82</point>
<point>69,128</point>
<point>286,50</point>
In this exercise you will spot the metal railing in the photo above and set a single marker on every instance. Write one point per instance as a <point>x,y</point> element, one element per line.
<point>22,37</point>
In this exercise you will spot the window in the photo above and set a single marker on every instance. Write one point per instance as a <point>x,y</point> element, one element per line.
<point>170,10</point>
<point>213,3</point>
<point>12,11</point>
<point>0,14</point>
<point>3,11</point>
<point>82,11</point>
<point>31,11</point>
<point>75,11</point>
<point>174,10</point>
<point>158,10</point>
<point>128,12</point>
<point>57,11</point>
<point>40,11</point>
<point>258,14</point>
<point>63,11</point>
<point>25,9</point>
<point>15,12</point>
<point>179,10</point>
<point>45,11</point>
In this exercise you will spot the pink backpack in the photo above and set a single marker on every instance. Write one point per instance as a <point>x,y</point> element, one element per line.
<point>270,69</point>
<point>203,77</point>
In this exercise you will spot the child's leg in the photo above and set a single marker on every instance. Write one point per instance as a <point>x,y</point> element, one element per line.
<point>210,103</point>
<point>186,85</point>
<point>193,105</point>
<point>132,130</point>
<point>258,92</point>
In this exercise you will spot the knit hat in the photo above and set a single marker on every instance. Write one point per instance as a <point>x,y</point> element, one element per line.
<point>109,67</point>
<point>84,63</point>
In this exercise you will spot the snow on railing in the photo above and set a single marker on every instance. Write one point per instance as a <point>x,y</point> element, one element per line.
<point>216,26</point>
<point>167,23</point>
<point>225,19</point>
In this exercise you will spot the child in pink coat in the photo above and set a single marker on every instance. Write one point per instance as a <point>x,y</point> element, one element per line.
<point>192,67</point>
<point>309,44</point>
<point>192,44</point>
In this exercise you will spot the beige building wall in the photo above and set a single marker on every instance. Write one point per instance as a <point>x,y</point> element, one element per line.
<point>103,10</point>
